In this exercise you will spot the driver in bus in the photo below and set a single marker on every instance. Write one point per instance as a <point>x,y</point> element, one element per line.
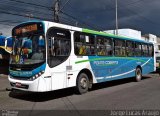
<point>38,55</point>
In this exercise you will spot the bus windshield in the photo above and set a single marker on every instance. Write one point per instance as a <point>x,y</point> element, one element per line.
<point>28,49</point>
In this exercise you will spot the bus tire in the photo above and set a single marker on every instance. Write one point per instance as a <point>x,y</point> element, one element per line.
<point>82,84</point>
<point>138,74</point>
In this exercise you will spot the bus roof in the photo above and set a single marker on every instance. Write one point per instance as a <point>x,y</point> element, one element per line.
<point>89,31</point>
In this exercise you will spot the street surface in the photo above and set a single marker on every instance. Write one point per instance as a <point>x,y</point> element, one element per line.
<point>115,95</point>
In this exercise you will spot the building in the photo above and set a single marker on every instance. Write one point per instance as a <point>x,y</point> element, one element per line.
<point>150,38</point>
<point>127,32</point>
<point>154,39</point>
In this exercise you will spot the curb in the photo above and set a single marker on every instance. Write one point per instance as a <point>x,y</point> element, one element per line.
<point>3,75</point>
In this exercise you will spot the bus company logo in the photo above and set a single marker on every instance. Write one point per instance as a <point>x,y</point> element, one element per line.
<point>20,73</point>
<point>105,63</point>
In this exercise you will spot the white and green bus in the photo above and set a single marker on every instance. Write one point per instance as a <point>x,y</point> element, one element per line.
<point>48,56</point>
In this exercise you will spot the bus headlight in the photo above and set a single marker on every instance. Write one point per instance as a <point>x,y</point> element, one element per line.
<point>36,76</point>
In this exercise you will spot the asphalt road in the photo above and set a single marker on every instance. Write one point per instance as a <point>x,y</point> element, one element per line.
<point>115,95</point>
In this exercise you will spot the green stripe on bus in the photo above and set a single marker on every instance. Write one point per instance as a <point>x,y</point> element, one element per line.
<point>96,59</point>
<point>112,35</point>
<point>101,33</point>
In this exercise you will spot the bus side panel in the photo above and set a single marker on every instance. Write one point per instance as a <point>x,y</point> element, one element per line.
<point>112,68</point>
<point>78,64</point>
<point>65,74</point>
<point>148,66</point>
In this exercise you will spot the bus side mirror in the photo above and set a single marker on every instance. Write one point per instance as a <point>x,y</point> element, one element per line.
<point>8,45</point>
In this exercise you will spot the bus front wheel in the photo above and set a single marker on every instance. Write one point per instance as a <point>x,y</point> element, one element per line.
<point>138,75</point>
<point>82,84</point>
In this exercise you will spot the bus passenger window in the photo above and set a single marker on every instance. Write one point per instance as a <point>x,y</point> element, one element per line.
<point>129,48</point>
<point>101,48</point>
<point>137,49</point>
<point>120,48</point>
<point>151,51</point>
<point>145,50</point>
<point>84,44</point>
<point>108,44</point>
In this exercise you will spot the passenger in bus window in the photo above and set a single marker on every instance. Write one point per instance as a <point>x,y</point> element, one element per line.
<point>25,52</point>
<point>123,51</point>
<point>66,48</point>
<point>82,50</point>
<point>109,52</point>
<point>101,51</point>
<point>88,51</point>
<point>56,49</point>
<point>92,50</point>
<point>38,55</point>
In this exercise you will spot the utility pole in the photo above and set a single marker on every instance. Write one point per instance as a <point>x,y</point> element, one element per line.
<point>56,10</point>
<point>29,16</point>
<point>116,17</point>
<point>76,23</point>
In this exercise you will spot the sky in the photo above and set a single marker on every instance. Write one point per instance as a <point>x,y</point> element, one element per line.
<point>142,15</point>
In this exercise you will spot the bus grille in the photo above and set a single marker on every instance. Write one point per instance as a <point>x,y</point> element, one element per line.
<point>20,78</point>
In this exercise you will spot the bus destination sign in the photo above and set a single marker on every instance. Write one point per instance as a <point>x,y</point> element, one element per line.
<point>26,29</point>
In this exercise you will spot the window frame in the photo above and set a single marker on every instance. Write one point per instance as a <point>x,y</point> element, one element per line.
<point>133,48</point>
<point>90,44</point>
<point>152,50</point>
<point>144,54</point>
<point>123,45</point>
<point>105,38</point>
<point>139,50</point>
<point>50,57</point>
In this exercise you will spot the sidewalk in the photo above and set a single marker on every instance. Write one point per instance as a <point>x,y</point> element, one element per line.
<point>3,76</point>
<point>4,83</point>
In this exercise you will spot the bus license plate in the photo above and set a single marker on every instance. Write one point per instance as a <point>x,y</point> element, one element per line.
<point>18,84</point>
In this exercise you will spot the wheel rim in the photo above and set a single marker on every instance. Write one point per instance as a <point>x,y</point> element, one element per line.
<point>138,74</point>
<point>83,83</point>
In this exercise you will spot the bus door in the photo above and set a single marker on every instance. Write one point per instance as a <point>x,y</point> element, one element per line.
<point>59,48</point>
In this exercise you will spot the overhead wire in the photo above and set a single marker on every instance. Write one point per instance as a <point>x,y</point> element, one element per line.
<point>35,12</point>
<point>140,16</point>
<point>18,9</point>
<point>64,5</point>
<point>74,19</point>
<point>80,21</point>
<point>51,9</point>
<point>16,14</point>
<point>38,5</point>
